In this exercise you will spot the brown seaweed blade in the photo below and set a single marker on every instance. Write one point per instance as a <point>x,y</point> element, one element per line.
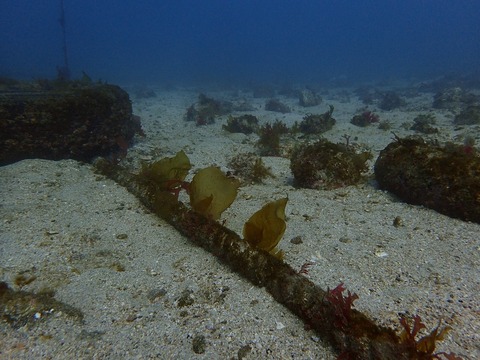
<point>359,338</point>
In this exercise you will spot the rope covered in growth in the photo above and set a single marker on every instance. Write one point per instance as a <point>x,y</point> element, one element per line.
<point>329,313</point>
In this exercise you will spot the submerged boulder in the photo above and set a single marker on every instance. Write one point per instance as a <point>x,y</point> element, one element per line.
<point>442,178</point>
<point>308,98</point>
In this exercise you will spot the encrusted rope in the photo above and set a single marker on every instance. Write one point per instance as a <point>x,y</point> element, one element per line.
<point>351,333</point>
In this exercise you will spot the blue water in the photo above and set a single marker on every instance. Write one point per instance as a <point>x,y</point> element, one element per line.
<point>194,41</point>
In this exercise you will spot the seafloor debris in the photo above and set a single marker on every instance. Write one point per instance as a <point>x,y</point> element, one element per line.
<point>22,308</point>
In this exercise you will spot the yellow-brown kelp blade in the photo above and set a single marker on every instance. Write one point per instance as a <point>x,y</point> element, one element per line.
<point>168,169</point>
<point>211,192</point>
<point>266,227</point>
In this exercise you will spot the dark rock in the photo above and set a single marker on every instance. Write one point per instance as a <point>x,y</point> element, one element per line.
<point>277,106</point>
<point>390,101</point>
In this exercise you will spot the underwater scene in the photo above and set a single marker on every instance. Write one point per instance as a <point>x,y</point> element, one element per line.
<point>240,179</point>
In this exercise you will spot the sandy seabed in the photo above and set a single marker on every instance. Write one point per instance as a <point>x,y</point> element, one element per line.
<point>147,292</point>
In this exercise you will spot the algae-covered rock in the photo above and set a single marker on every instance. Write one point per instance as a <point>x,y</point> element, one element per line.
<point>212,192</point>
<point>64,120</point>
<point>266,227</point>
<point>325,165</point>
<point>317,124</point>
<point>446,179</point>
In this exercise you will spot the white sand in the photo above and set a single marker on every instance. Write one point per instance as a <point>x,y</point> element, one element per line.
<point>61,223</point>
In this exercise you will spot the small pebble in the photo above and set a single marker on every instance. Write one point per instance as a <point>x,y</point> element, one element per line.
<point>244,351</point>
<point>156,294</point>
<point>345,240</point>
<point>398,221</point>
<point>199,344</point>
<point>296,240</point>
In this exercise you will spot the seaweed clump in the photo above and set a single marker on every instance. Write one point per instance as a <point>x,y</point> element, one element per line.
<point>424,347</point>
<point>269,142</point>
<point>245,124</point>
<point>250,168</point>
<point>317,124</point>
<point>325,165</point>
<point>423,124</point>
